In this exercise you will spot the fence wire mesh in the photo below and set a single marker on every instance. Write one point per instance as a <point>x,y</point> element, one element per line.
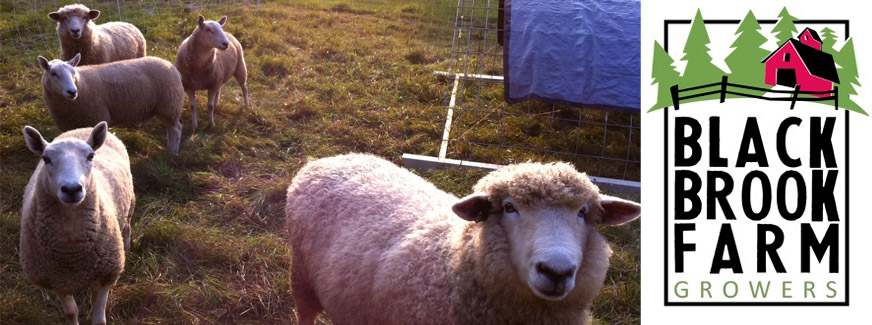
<point>482,127</point>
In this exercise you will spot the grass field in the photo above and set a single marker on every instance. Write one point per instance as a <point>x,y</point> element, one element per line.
<point>208,241</point>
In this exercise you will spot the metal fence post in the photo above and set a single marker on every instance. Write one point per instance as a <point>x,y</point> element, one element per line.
<point>674,91</point>
<point>836,97</point>
<point>723,89</point>
<point>118,5</point>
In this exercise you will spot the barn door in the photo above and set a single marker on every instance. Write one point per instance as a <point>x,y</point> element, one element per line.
<point>786,77</point>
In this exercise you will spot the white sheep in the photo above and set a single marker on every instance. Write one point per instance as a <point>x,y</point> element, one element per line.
<point>122,93</point>
<point>113,41</point>
<point>204,67</point>
<point>372,243</point>
<point>75,222</point>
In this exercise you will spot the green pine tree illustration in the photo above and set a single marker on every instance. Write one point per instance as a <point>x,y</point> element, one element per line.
<point>699,69</point>
<point>784,29</point>
<point>828,36</point>
<point>848,76</point>
<point>665,75</point>
<point>744,61</point>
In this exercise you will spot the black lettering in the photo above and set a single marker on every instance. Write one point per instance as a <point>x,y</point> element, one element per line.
<point>820,142</point>
<point>829,242</point>
<point>800,195</point>
<point>781,143</point>
<point>746,195</point>
<point>691,141</point>
<point>726,240</point>
<point>770,249</point>
<point>823,195</point>
<point>752,134</point>
<point>680,246</point>
<point>715,159</point>
<point>692,194</point>
<point>716,196</point>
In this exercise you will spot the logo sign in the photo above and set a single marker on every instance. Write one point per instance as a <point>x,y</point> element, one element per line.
<point>757,162</point>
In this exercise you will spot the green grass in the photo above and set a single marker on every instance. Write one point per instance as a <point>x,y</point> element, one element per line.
<point>208,240</point>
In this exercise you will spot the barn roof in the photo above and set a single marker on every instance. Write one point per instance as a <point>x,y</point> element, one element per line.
<point>813,33</point>
<point>819,63</point>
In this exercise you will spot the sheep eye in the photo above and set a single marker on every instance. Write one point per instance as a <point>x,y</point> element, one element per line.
<point>46,159</point>
<point>54,74</point>
<point>90,156</point>
<point>509,208</point>
<point>582,212</point>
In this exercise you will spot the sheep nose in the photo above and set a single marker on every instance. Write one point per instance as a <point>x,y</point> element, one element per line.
<point>71,190</point>
<point>72,93</point>
<point>225,44</point>
<point>75,31</point>
<point>556,274</point>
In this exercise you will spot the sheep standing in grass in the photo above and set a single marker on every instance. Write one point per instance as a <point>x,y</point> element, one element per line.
<point>207,59</point>
<point>122,93</point>
<point>75,223</point>
<point>373,243</point>
<point>97,44</point>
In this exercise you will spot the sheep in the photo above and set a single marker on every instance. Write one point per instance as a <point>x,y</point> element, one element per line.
<point>75,220</point>
<point>122,93</point>
<point>204,67</point>
<point>372,243</point>
<point>104,43</point>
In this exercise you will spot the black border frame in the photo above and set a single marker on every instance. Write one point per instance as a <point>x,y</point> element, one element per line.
<point>666,301</point>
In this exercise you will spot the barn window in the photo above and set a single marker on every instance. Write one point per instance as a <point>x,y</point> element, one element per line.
<point>786,57</point>
<point>805,37</point>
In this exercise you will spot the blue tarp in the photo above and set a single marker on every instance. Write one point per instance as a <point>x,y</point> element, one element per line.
<point>583,53</point>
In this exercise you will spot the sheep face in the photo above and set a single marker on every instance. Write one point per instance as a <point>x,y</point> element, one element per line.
<point>546,243</point>
<point>546,213</point>
<point>74,20</point>
<point>66,163</point>
<point>59,77</point>
<point>210,34</point>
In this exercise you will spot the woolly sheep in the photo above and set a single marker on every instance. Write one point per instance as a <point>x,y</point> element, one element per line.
<point>75,222</point>
<point>204,67</point>
<point>122,93</point>
<point>373,243</point>
<point>97,44</point>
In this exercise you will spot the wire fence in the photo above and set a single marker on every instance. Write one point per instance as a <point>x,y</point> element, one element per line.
<point>481,127</point>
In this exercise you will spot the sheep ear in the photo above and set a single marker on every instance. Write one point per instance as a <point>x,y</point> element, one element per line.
<point>222,20</point>
<point>93,14</point>
<point>54,16</point>
<point>43,63</point>
<point>200,20</point>
<point>98,135</point>
<point>618,211</point>
<point>475,207</point>
<point>76,59</point>
<point>34,140</point>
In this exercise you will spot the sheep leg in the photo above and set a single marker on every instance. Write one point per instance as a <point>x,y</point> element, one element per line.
<point>240,76</point>
<point>213,100</point>
<point>70,309</point>
<point>193,99</point>
<point>306,302</point>
<point>99,295</point>
<point>125,233</point>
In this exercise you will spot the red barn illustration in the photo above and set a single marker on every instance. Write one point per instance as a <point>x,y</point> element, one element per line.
<point>801,62</point>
